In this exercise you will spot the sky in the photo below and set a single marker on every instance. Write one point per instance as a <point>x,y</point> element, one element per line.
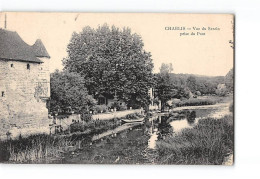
<point>208,54</point>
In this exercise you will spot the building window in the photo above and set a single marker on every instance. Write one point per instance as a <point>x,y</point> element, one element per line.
<point>28,66</point>
<point>12,65</point>
<point>3,93</point>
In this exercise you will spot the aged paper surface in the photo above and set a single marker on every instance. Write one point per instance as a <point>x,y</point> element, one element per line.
<point>116,88</point>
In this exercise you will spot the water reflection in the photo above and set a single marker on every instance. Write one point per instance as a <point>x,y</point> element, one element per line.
<point>128,143</point>
<point>162,126</point>
<point>156,127</point>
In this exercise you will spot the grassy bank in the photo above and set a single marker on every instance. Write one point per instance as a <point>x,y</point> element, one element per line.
<point>128,147</point>
<point>196,102</point>
<point>42,147</point>
<point>209,142</point>
<point>204,100</point>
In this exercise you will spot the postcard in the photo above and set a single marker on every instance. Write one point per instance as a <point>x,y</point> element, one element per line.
<point>116,88</point>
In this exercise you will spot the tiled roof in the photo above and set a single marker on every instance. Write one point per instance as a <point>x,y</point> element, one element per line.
<point>12,47</point>
<point>39,49</point>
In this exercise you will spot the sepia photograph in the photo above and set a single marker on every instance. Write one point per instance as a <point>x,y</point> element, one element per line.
<point>117,88</point>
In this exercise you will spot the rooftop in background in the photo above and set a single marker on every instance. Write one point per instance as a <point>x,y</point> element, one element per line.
<point>12,47</point>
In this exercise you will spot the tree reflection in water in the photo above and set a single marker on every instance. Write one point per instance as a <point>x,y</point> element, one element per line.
<point>162,124</point>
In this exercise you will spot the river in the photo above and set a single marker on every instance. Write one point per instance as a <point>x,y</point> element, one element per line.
<point>133,143</point>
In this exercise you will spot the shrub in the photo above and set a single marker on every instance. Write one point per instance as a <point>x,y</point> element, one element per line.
<point>86,117</point>
<point>115,105</point>
<point>133,116</point>
<point>101,108</point>
<point>221,90</point>
<point>76,127</point>
<point>122,107</point>
<point>119,106</point>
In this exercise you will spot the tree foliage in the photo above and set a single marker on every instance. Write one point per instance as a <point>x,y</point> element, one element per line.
<point>112,61</point>
<point>191,83</point>
<point>229,80</point>
<point>68,90</point>
<point>166,68</point>
<point>221,90</point>
<point>205,84</point>
<point>165,89</point>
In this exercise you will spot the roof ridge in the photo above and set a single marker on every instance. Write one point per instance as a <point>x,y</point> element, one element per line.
<point>39,49</point>
<point>13,47</point>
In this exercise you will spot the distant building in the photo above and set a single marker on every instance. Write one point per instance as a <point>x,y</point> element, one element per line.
<point>109,100</point>
<point>153,106</point>
<point>24,85</point>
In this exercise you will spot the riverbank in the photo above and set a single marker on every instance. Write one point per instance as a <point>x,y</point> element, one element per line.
<point>220,109</point>
<point>110,142</point>
<point>208,143</point>
<point>43,148</point>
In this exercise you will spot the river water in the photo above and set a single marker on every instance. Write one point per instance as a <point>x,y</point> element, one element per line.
<point>129,143</point>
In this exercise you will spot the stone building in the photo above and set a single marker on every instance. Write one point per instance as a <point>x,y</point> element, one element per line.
<point>24,86</point>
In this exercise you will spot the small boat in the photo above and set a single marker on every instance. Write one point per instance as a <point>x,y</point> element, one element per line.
<point>132,120</point>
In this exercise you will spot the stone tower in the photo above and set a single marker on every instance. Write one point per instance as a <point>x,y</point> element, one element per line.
<point>24,86</point>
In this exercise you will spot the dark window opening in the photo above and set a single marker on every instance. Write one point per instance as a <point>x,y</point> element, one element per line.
<point>3,93</point>
<point>12,65</point>
<point>28,66</point>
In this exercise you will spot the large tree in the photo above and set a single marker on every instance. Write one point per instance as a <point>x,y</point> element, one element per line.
<point>112,61</point>
<point>166,68</point>
<point>68,91</point>
<point>164,88</point>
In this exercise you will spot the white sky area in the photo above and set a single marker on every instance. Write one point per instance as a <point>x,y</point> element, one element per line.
<point>203,55</point>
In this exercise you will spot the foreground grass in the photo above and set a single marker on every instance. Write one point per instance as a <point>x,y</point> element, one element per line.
<point>43,148</point>
<point>128,147</point>
<point>40,148</point>
<point>208,143</point>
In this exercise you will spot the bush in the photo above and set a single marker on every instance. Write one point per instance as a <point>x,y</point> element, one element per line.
<point>77,127</point>
<point>86,117</point>
<point>118,106</point>
<point>221,90</point>
<point>101,108</point>
<point>122,107</point>
<point>134,116</point>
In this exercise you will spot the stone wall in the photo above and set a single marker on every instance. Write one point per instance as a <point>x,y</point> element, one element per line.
<point>23,111</point>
